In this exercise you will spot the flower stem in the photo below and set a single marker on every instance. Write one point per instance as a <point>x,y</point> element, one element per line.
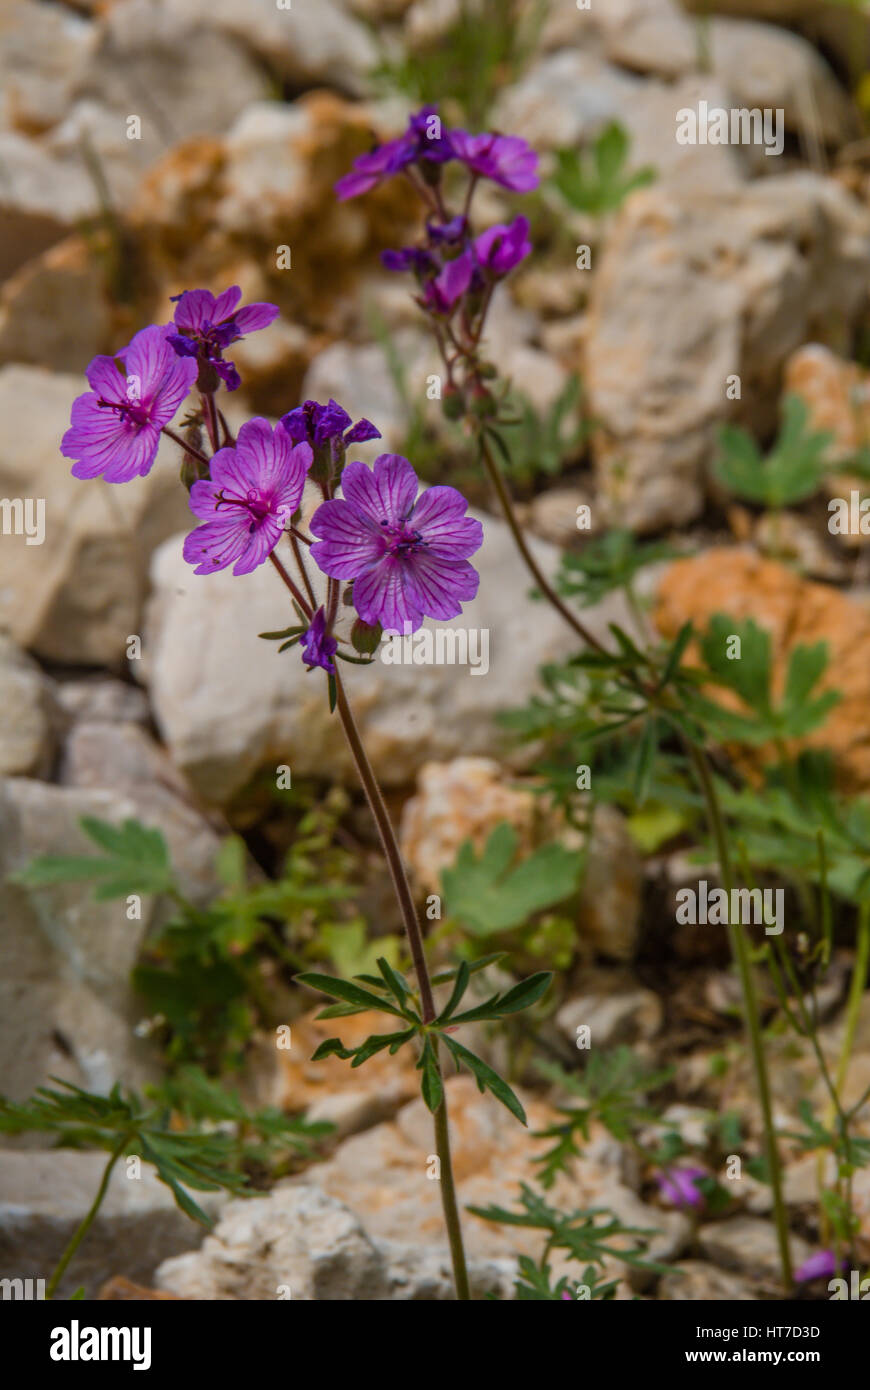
<point>415,941</point>
<point>85,1224</point>
<point>752,1016</point>
<point>405,899</point>
<point>494,474</point>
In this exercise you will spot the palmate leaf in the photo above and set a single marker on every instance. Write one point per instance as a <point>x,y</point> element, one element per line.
<point>136,861</point>
<point>488,894</point>
<point>749,676</point>
<point>792,471</point>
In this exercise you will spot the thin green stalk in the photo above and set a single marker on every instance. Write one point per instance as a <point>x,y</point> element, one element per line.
<point>740,951</point>
<point>85,1224</point>
<point>405,897</point>
<point>418,954</point>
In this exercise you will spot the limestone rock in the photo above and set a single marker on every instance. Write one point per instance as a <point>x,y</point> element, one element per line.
<point>44,1197</point>
<point>623,1017</point>
<point>300,1243</point>
<point>26,734</point>
<point>42,197</point>
<point>304,45</point>
<point>748,1245</point>
<point>54,312</point>
<point>696,285</point>
<point>43,49</point>
<point>794,611</point>
<point>697,1282</point>
<point>77,597</point>
<point>65,988</point>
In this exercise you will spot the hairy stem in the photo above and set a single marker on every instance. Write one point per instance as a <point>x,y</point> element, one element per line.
<point>84,1226</point>
<point>752,1016</point>
<point>405,899</point>
<point>415,941</point>
<point>495,476</point>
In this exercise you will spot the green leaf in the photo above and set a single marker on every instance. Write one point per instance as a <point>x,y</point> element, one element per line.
<point>488,895</point>
<point>431,1084</point>
<point>486,1078</point>
<point>136,862</point>
<point>463,975</point>
<point>521,996</point>
<point>792,471</point>
<point>347,992</point>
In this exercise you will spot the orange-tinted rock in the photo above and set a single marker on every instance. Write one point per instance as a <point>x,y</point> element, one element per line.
<point>794,611</point>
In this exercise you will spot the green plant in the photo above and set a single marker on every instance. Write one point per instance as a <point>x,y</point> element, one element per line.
<point>586,1236</point>
<point>483,50</point>
<point>493,893</point>
<point>791,472</point>
<point>123,1125</point>
<point>597,181</point>
<point>200,974</point>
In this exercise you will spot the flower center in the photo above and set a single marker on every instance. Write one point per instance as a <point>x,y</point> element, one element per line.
<point>401,540</point>
<point>131,410</point>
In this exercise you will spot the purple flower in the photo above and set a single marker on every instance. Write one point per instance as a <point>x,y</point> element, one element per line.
<point>423,139</point>
<point>450,284</point>
<point>115,427</point>
<point>506,159</point>
<point>408,555</point>
<point>253,491</point>
<point>451,231</point>
<point>501,248</point>
<point>205,326</point>
<point>408,258</point>
<point>317,647</point>
<point>679,1186</point>
<point>316,425</point>
<point>822,1265</point>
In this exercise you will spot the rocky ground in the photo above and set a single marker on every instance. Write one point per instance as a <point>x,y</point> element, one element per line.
<point>721,267</point>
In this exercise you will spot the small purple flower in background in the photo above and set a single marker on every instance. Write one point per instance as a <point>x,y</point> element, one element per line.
<point>506,159</point>
<point>679,1186</point>
<point>423,140</point>
<point>115,427</point>
<point>407,555</point>
<point>822,1265</point>
<point>317,424</point>
<point>204,326</point>
<point>500,248</point>
<point>253,491</point>
<point>318,648</point>
<point>450,284</point>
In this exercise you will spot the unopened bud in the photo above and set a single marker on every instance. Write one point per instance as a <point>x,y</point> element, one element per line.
<point>364,637</point>
<point>453,403</point>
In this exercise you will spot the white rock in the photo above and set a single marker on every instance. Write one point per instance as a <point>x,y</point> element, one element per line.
<point>77,597</point>
<point>64,992</point>
<point>43,49</point>
<point>627,1016</point>
<point>46,1195</point>
<point>695,285</point>
<point>25,714</point>
<point>304,44</point>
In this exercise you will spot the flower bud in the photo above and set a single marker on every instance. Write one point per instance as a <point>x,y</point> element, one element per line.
<point>453,403</point>
<point>365,638</point>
